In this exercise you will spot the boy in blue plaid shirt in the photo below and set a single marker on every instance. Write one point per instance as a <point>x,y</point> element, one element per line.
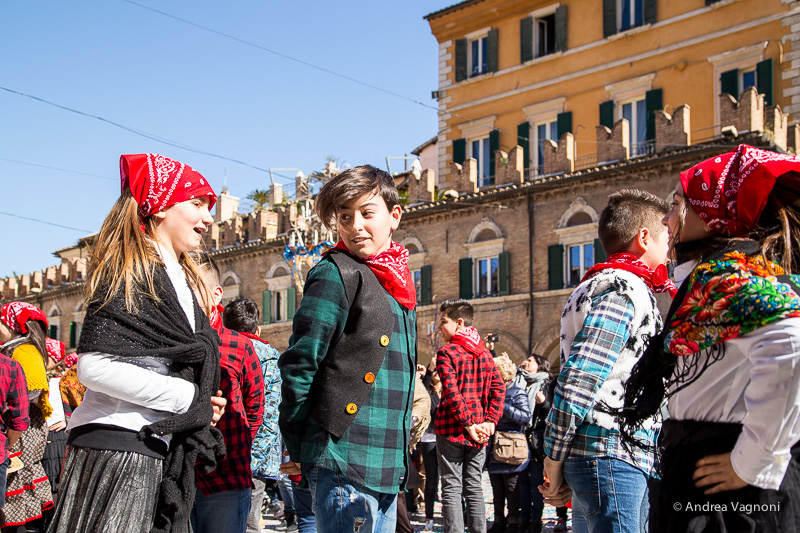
<point>605,326</point>
<point>348,374</point>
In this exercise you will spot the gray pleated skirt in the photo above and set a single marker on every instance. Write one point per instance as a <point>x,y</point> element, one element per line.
<point>106,491</point>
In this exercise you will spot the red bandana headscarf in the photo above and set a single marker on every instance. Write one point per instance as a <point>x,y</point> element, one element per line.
<point>391,269</point>
<point>658,279</point>
<point>56,351</point>
<point>729,191</point>
<point>16,314</point>
<point>157,182</point>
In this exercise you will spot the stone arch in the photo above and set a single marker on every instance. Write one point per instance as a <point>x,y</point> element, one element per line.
<point>511,345</point>
<point>413,244</point>
<point>278,269</point>
<point>54,311</point>
<point>548,345</point>
<point>579,209</point>
<point>484,230</point>
<point>229,278</point>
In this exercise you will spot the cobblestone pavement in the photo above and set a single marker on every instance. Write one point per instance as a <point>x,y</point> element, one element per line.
<point>418,519</point>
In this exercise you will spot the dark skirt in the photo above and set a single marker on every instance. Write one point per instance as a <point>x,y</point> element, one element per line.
<point>106,491</point>
<point>27,490</point>
<point>682,507</point>
<point>54,456</point>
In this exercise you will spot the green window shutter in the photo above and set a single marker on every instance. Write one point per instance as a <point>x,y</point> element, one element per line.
<point>461,59</point>
<point>425,283</point>
<point>523,139</point>
<point>53,334</point>
<point>525,39</point>
<point>291,302</point>
<point>729,82</point>
<point>555,266</point>
<point>491,63</point>
<point>465,278</point>
<point>564,121</point>
<point>503,274</point>
<point>599,253</point>
<point>494,146</point>
<point>266,307</point>
<point>607,114</point>
<point>73,334</point>
<point>459,151</point>
<point>561,28</point>
<point>764,80</point>
<point>650,11</point>
<point>609,17</point>
<point>653,102</point>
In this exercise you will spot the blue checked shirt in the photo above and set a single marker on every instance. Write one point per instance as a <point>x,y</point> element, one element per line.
<point>570,433</point>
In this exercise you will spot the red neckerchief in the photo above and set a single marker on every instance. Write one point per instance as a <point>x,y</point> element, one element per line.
<point>658,279</point>
<point>216,317</point>
<point>391,269</point>
<point>470,339</point>
<point>254,337</point>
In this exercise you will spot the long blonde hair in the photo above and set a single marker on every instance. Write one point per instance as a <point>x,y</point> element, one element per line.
<point>124,257</point>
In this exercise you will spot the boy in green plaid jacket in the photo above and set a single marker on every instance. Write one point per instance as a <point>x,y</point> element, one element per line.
<point>348,374</point>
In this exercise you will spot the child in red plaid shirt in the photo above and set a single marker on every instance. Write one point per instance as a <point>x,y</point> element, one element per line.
<point>471,404</point>
<point>222,501</point>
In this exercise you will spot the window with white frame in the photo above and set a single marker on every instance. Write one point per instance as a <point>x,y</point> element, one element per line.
<point>635,112</point>
<point>736,70</point>
<point>480,151</point>
<point>278,302</point>
<point>416,275</point>
<point>541,132</point>
<point>580,258</point>
<point>279,305</point>
<point>478,61</point>
<point>631,13</point>
<point>486,276</point>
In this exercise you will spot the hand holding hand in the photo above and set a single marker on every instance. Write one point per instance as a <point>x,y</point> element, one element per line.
<point>716,472</point>
<point>477,433</point>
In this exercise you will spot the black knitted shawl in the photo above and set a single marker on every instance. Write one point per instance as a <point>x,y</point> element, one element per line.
<point>160,329</point>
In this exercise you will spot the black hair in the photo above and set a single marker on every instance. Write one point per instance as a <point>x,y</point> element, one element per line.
<point>456,308</point>
<point>241,315</point>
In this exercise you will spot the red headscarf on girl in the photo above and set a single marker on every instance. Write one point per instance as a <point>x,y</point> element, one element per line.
<point>55,349</point>
<point>16,314</point>
<point>730,191</point>
<point>157,182</point>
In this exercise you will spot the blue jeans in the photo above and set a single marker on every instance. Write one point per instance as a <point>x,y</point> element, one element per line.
<point>224,511</point>
<point>609,494</point>
<point>306,523</point>
<point>342,505</point>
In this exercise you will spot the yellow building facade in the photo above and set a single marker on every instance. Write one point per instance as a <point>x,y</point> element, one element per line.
<point>518,72</point>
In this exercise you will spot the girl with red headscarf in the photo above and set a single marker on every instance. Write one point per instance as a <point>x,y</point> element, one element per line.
<point>22,338</point>
<point>729,355</point>
<point>148,358</point>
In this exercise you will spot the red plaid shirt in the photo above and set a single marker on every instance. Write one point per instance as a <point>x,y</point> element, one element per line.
<point>13,401</point>
<point>242,383</point>
<point>472,392</point>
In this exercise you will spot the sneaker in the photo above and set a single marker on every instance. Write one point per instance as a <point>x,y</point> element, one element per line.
<point>561,525</point>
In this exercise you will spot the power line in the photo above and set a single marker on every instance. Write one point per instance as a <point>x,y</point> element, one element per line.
<point>59,169</point>
<point>144,134</point>
<point>309,64</point>
<point>44,222</point>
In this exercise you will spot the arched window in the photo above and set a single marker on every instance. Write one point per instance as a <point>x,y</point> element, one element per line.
<point>578,247</point>
<point>485,272</point>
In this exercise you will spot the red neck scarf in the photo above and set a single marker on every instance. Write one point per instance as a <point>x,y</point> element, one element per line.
<point>658,279</point>
<point>253,336</point>
<point>730,191</point>
<point>157,182</point>
<point>391,269</point>
<point>16,314</point>
<point>470,339</point>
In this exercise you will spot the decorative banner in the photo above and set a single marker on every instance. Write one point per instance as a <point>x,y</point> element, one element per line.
<point>298,257</point>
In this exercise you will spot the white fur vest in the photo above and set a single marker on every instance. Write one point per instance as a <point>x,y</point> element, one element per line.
<point>646,322</point>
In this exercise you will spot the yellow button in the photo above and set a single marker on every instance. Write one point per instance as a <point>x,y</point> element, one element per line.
<point>369,377</point>
<point>384,340</point>
<point>351,408</point>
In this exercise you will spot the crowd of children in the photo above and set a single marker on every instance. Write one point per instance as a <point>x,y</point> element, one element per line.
<point>178,411</point>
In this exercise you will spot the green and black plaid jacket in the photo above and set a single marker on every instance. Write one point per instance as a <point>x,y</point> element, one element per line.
<point>372,452</point>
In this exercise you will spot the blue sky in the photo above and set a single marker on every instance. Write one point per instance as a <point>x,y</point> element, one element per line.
<point>155,74</point>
